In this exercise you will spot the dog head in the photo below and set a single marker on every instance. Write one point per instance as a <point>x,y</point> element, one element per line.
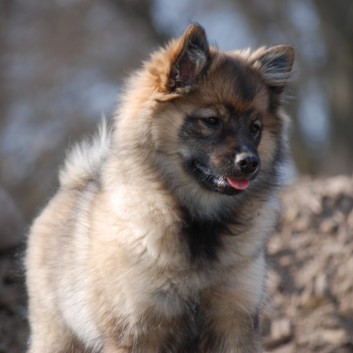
<point>214,117</point>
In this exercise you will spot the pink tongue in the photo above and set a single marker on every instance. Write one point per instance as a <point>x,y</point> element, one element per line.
<point>239,184</point>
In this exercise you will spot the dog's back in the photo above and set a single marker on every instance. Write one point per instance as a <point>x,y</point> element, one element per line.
<point>155,239</point>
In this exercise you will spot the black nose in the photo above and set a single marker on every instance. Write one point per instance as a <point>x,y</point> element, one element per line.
<point>248,163</point>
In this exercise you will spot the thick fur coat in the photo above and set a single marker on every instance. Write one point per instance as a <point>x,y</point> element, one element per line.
<point>155,239</point>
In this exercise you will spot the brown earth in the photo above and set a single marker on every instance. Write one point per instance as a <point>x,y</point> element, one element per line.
<point>309,307</point>
<point>310,281</point>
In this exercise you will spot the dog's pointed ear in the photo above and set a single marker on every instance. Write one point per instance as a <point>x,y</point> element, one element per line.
<point>275,65</point>
<point>190,58</point>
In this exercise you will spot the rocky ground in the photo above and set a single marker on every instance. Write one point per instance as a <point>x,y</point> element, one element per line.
<point>310,282</point>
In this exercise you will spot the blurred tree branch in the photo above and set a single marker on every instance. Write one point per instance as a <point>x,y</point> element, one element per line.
<point>336,25</point>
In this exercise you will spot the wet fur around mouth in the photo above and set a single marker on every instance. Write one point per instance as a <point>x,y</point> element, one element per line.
<point>204,175</point>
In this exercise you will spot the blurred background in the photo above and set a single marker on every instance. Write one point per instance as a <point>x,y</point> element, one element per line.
<point>62,63</point>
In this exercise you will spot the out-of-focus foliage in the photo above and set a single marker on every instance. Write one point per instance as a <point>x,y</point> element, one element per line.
<point>62,63</point>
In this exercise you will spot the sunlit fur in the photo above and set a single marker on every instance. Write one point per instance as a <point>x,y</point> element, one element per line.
<point>133,254</point>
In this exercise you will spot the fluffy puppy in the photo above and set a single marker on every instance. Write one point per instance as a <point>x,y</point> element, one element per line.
<point>154,241</point>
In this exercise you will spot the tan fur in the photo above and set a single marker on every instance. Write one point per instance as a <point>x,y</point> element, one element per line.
<point>108,267</point>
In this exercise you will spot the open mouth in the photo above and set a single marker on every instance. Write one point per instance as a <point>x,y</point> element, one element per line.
<point>224,184</point>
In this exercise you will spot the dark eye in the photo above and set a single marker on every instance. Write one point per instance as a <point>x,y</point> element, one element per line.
<point>212,122</point>
<point>255,128</point>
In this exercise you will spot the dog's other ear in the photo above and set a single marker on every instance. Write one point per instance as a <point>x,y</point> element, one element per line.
<point>189,59</point>
<point>275,65</point>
